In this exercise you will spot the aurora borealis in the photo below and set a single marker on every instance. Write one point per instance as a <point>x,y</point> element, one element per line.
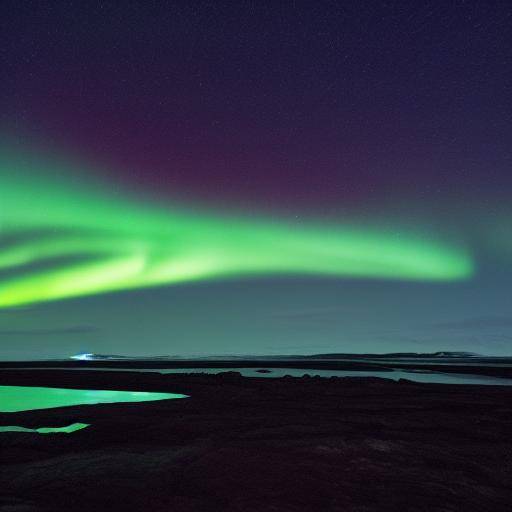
<point>262,179</point>
<point>80,242</point>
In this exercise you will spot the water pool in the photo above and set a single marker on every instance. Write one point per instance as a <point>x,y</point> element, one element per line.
<point>46,430</point>
<point>27,398</point>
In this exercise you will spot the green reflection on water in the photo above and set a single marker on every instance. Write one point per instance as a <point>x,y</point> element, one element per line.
<point>27,398</point>
<point>46,430</point>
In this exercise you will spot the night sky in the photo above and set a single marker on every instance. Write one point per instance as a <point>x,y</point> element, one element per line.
<point>196,178</point>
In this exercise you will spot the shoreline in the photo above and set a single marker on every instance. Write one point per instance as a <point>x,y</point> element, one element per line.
<point>385,366</point>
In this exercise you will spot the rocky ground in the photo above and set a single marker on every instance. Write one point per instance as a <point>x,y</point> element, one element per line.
<point>260,445</point>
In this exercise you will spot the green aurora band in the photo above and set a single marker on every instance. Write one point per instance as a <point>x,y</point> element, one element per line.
<point>63,237</point>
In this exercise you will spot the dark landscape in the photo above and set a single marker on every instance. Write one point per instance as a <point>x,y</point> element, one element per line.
<point>256,444</point>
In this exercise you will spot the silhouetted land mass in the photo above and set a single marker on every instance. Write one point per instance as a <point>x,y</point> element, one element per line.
<point>254,444</point>
<point>329,355</point>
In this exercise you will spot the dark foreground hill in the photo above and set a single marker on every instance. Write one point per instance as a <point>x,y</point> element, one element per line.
<point>261,445</point>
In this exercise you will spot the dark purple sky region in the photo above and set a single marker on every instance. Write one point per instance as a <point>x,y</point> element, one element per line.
<point>398,111</point>
<point>306,103</point>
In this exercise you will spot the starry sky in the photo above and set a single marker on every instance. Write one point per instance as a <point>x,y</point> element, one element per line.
<point>205,178</point>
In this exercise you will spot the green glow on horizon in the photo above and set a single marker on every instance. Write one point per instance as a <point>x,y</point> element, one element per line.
<point>28,398</point>
<point>62,238</point>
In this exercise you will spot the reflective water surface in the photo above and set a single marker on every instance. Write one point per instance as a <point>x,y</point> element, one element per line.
<point>426,376</point>
<point>46,430</point>
<point>26,398</point>
<point>414,375</point>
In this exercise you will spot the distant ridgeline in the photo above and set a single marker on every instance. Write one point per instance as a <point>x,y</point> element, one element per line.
<point>103,357</point>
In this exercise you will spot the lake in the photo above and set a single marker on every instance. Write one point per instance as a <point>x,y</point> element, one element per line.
<point>46,430</point>
<point>426,376</point>
<point>27,398</point>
